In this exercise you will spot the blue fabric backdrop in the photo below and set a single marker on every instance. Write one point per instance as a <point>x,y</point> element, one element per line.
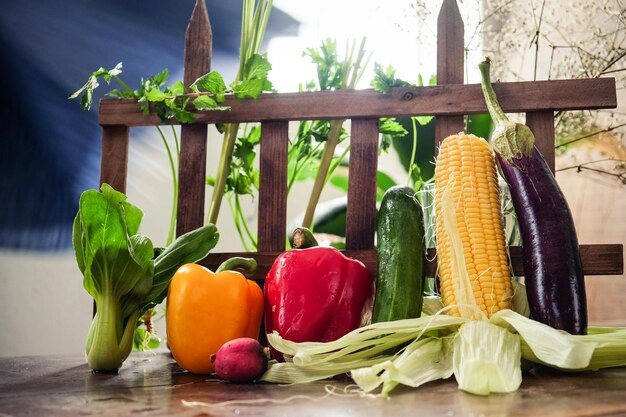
<point>50,148</point>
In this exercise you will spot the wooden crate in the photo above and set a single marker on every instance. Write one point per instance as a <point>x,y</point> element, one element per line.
<point>448,102</point>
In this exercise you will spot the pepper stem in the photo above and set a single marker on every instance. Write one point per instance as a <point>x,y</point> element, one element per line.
<point>246,265</point>
<point>303,238</point>
<point>511,140</point>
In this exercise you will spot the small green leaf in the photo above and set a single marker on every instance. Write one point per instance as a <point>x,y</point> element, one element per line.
<point>389,126</point>
<point>248,88</point>
<point>423,120</point>
<point>177,88</point>
<point>205,102</point>
<point>112,72</point>
<point>211,83</point>
<point>385,79</point>
<point>257,67</point>
<point>155,95</point>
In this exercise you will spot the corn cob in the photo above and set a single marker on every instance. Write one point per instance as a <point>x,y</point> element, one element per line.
<point>473,265</point>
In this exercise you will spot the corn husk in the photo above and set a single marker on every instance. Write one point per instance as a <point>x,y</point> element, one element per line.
<point>440,346</point>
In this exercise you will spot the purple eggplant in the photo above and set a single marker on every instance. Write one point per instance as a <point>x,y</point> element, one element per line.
<point>552,266</point>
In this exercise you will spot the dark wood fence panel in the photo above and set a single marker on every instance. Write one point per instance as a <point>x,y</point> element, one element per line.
<point>440,100</point>
<point>272,206</point>
<point>598,259</point>
<point>361,210</point>
<point>449,101</point>
<point>114,160</point>
<point>193,138</point>
<point>542,125</point>
<point>450,63</point>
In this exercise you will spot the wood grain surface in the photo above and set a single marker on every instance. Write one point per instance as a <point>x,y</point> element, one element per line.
<point>450,63</point>
<point>153,385</point>
<point>363,165</point>
<point>440,100</point>
<point>114,161</point>
<point>598,259</point>
<point>272,207</point>
<point>193,138</point>
<point>542,125</point>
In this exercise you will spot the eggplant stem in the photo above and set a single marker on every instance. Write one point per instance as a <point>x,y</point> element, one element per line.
<point>495,110</point>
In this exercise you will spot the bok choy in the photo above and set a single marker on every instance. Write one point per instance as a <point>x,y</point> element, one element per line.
<point>121,272</point>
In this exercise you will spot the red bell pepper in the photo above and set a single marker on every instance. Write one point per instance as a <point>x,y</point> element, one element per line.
<point>316,295</point>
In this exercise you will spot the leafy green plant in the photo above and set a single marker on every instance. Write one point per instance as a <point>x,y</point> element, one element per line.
<point>121,272</point>
<point>251,79</point>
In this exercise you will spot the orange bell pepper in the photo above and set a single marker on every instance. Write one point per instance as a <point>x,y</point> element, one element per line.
<point>205,310</point>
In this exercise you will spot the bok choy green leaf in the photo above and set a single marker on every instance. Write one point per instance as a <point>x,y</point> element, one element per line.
<point>120,272</point>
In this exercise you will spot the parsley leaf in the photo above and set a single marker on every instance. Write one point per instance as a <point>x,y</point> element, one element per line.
<point>86,91</point>
<point>385,79</point>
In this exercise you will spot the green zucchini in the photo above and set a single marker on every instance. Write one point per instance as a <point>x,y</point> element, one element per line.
<point>401,256</point>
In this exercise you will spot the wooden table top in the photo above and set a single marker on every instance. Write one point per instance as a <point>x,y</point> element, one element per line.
<point>153,385</point>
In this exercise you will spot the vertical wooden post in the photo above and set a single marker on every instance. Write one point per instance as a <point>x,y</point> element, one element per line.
<point>450,59</point>
<point>193,138</point>
<point>363,165</point>
<point>542,125</point>
<point>273,187</point>
<point>114,160</point>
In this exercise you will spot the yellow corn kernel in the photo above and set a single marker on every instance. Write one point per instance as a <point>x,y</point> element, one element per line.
<point>473,265</point>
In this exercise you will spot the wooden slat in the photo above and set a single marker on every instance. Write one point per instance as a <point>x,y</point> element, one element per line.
<point>604,259</point>
<point>441,100</point>
<point>450,59</point>
<point>191,178</point>
<point>363,165</point>
<point>198,44</point>
<point>114,160</point>
<point>193,138</point>
<point>272,207</point>
<point>265,259</point>
<point>542,125</point>
<point>600,259</point>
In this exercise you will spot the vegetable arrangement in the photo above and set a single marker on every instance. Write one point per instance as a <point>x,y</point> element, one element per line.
<point>318,302</point>
<point>480,332</point>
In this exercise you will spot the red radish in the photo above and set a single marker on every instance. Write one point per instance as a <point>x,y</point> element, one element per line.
<point>240,360</point>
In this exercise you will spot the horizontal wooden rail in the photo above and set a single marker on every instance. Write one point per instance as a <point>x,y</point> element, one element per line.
<point>598,259</point>
<point>440,100</point>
